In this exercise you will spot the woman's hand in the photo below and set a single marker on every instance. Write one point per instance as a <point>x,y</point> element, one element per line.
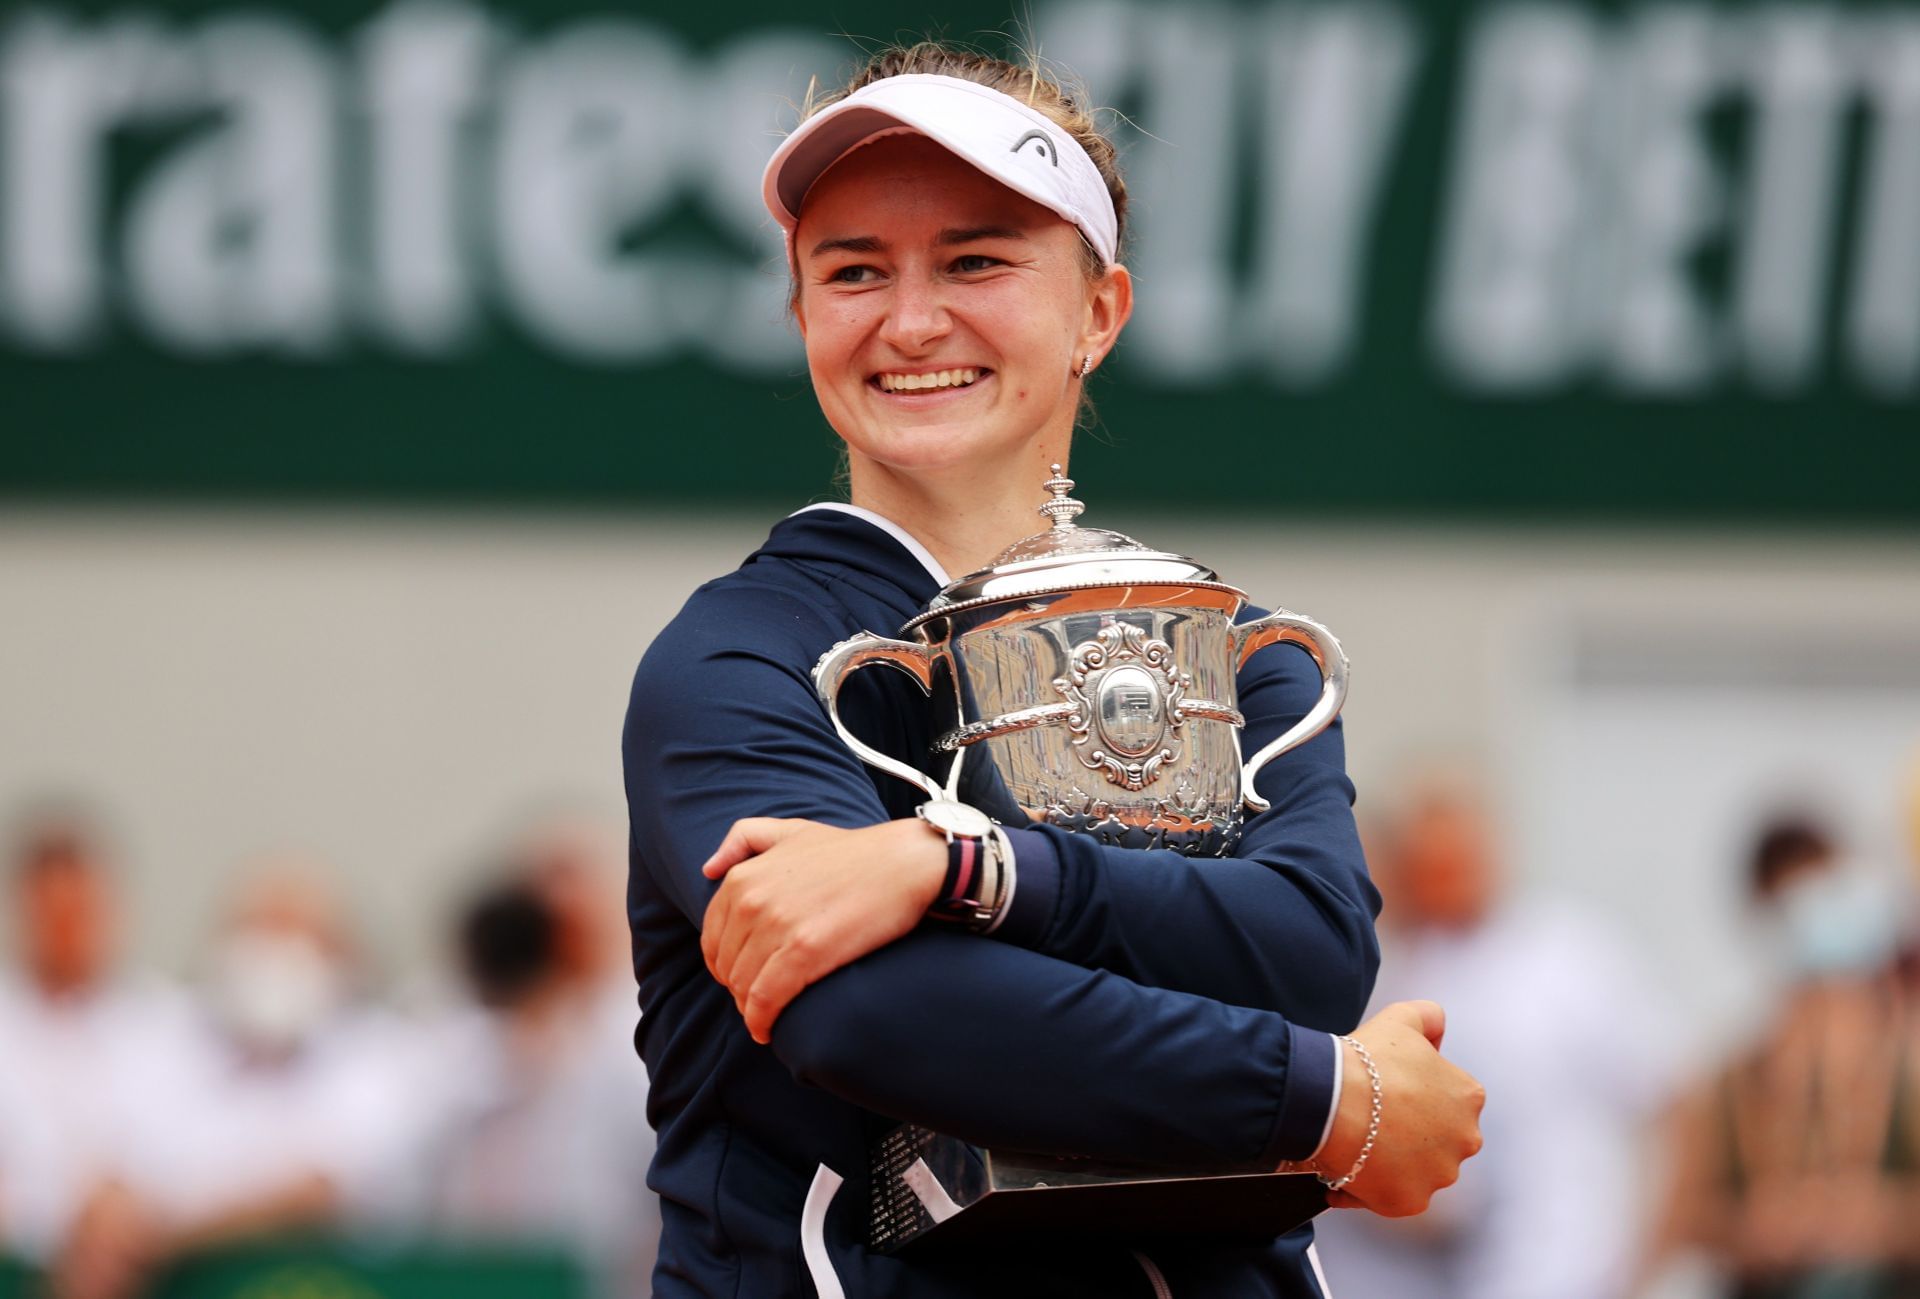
<point>1429,1115</point>
<point>798,900</point>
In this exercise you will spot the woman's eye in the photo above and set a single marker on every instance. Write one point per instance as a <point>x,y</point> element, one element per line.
<point>850,275</point>
<point>975,262</point>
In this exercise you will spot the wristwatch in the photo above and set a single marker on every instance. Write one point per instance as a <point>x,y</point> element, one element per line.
<point>955,820</point>
<point>975,891</point>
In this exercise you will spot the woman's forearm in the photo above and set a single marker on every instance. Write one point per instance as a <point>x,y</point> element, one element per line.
<point>1002,1046</point>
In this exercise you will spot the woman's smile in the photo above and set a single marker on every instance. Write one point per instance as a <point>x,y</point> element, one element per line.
<point>914,388</point>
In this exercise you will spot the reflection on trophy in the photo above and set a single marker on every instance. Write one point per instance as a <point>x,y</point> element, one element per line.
<point>1093,688</point>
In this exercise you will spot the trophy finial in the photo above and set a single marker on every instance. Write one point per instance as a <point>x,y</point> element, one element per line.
<point>1062,509</point>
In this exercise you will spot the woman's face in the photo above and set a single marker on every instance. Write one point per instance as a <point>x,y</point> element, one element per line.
<point>945,316</point>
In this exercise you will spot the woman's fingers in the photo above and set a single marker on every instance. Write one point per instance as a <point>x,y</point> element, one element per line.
<point>1423,1017</point>
<point>1429,1113</point>
<point>776,983</point>
<point>753,949</point>
<point>722,936</point>
<point>714,926</point>
<point>721,931</point>
<point>750,837</point>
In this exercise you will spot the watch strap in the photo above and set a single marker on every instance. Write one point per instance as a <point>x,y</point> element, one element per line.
<point>958,900</point>
<point>978,883</point>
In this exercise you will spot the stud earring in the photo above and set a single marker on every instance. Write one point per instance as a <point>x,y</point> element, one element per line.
<point>1086,366</point>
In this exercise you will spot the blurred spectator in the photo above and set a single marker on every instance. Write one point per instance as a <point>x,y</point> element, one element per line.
<point>71,1032</point>
<point>543,1134</point>
<point>1908,962</point>
<point>578,871</point>
<point>1797,1165</point>
<point>274,1113</point>
<point>1550,1011</point>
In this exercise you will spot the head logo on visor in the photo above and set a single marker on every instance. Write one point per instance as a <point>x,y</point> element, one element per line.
<point>1043,145</point>
<point>972,121</point>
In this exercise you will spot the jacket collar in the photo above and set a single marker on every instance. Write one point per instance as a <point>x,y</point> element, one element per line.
<point>892,529</point>
<point>874,548</point>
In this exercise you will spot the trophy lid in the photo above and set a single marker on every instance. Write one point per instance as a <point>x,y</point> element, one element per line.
<point>1067,557</point>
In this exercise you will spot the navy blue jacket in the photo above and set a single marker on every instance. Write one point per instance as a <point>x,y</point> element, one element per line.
<point>1140,1006</point>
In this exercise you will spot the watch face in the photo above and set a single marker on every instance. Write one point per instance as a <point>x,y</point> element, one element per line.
<point>957,818</point>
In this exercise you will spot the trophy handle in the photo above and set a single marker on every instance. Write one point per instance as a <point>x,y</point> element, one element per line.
<point>848,657</point>
<point>1284,627</point>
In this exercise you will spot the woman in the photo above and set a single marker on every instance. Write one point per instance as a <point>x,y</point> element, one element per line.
<point>954,224</point>
<point>1796,1165</point>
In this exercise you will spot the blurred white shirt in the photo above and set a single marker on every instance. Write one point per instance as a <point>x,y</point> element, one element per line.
<point>550,1144</point>
<point>1551,1013</point>
<point>213,1127</point>
<point>68,1065</point>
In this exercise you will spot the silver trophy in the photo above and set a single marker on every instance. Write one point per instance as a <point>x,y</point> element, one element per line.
<point>1096,678</point>
<point>1093,688</point>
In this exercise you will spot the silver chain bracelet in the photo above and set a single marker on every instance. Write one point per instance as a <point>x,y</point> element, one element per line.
<point>1373,1121</point>
<point>1000,852</point>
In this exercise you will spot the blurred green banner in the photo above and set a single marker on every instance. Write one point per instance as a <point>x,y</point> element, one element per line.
<point>1550,259</point>
<point>322,1271</point>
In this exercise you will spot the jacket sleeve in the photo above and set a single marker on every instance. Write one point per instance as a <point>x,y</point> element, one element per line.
<point>1288,918</point>
<point>986,1040</point>
<point>1003,1046</point>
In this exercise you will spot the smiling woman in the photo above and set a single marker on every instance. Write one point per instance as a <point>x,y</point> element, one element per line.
<point>912,264</point>
<point>816,954</point>
<point>950,212</point>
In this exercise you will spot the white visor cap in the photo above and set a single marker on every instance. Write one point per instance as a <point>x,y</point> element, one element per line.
<point>1020,147</point>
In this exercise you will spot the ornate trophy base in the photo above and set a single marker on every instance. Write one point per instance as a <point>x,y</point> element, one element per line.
<point>933,1190</point>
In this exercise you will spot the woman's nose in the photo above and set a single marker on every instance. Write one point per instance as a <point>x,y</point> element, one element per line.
<point>916,315</point>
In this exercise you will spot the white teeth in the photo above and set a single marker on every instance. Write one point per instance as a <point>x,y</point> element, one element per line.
<point>938,379</point>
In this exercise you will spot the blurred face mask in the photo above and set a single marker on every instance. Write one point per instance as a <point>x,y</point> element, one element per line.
<point>272,991</point>
<point>1837,922</point>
